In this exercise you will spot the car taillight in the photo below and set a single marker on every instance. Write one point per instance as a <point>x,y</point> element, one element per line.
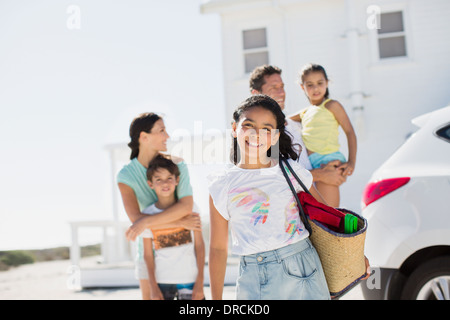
<point>376,190</point>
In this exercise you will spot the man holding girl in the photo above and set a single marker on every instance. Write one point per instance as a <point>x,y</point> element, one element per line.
<point>266,79</point>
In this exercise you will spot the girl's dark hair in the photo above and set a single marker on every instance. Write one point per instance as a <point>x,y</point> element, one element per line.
<point>162,162</point>
<point>144,122</point>
<point>310,68</point>
<point>284,142</point>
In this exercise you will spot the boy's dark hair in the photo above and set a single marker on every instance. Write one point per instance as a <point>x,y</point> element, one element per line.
<point>162,162</point>
<point>258,74</point>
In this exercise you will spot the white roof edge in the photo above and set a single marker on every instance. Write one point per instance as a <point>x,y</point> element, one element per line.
<point>225,6</point>
<point>220,6</point>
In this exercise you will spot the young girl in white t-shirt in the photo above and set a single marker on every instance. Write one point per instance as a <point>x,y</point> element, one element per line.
<point>277,260</point>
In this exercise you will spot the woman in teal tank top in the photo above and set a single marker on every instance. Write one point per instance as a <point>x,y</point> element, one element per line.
<point>148,138</point>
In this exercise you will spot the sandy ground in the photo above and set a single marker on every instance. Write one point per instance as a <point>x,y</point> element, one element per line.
<point>51,281</point>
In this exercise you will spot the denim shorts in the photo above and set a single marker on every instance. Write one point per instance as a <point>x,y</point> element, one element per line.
<point>318,159</point>
<point>293,272</point>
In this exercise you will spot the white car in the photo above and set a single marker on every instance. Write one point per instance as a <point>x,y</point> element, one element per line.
<point>407,205</point>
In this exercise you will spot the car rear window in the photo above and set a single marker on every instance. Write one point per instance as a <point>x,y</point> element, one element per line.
<point>444,133</point>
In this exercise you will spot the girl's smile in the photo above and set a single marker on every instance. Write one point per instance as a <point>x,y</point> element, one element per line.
<point>256,132</point>
<point>254,145</point>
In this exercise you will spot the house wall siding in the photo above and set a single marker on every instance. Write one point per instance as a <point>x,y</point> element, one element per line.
<point>395,90</point>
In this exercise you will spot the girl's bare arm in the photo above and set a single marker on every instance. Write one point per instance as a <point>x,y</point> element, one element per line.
<point>344,121</point>
<point>218,251</point>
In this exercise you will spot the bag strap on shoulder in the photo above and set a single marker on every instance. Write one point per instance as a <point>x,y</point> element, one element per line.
<point>295,175</point>
<point>299,205</point>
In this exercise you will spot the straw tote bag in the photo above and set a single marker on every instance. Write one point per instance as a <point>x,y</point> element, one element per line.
<point>341,254</point>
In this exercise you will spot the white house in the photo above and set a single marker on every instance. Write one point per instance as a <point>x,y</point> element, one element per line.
<point>387,62</point>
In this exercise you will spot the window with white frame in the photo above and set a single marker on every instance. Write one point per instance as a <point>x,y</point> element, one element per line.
<point>392,35</point>
<point>255,48</point>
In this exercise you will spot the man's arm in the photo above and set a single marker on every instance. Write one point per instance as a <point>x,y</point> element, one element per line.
<point>329,174</point>
<point>316,194</point>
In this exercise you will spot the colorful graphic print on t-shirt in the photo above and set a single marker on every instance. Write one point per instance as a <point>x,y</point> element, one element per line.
<point>292,223</point>
<point>252,199</point>
<point>259,203</point>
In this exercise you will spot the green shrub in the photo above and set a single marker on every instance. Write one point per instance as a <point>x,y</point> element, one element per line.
<point>16,258</point>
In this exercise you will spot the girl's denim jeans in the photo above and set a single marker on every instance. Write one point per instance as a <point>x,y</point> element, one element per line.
<point>293,272</point>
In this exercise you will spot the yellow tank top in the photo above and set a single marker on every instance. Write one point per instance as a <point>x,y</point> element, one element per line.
<point>320,129</point>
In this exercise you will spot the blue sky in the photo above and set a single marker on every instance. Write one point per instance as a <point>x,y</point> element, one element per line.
<point>65,94</point>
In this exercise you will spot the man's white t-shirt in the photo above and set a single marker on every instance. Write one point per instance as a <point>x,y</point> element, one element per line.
<point>295,129</point>
<point>175,260</point>
<point>260,206</point>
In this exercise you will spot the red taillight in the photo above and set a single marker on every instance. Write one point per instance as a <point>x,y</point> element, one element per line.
<point>376,190</point>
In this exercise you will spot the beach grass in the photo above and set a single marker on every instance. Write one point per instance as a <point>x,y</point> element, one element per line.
<point>14,258</point>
